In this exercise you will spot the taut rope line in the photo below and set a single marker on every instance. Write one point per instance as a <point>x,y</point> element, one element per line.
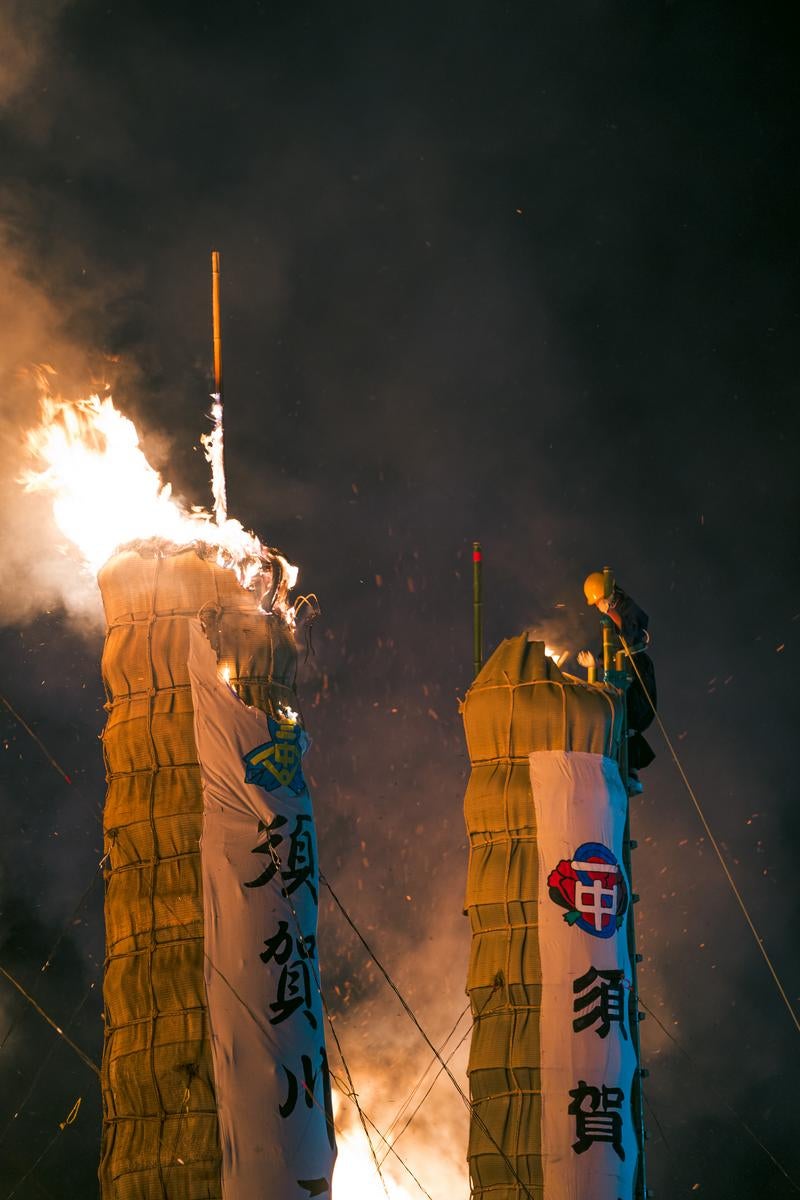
<point>713,840</point>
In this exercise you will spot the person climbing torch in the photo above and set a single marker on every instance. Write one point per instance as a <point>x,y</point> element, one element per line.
<point>630,622</point>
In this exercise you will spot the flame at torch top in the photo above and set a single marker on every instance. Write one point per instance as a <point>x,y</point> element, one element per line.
<point>106,494</point>
<point>214,448</point>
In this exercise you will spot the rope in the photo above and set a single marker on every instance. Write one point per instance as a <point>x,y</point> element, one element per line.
<point>401,1110</point>
<point>389,1147</point>
<point>40,1069</point>
<point>475,1116</point>
<point>192,1071</point>
<point>301,939</point>
<point>659,1127</point>
<point>70,920</point>
<point>69,1120</point>
<point>37,739</point>
<point>713,840</point>
<point>693,1063</point>
<point>72,1115</point>
<point>52,951</point>
<point>84,1058</point>
<point>260,1025</point>
<point>351,1094</point>
<point>354,1097</point>
<point>455,1049</point>
<point>312,600</point>
<point>80,1053</point>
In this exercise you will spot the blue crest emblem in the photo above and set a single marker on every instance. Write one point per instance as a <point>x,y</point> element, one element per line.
<point>591,887</point>
<point>278,763</point>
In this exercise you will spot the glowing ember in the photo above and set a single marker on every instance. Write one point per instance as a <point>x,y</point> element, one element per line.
<point>106,494</point>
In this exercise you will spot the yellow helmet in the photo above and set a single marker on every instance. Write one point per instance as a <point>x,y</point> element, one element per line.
<point>594,587</point>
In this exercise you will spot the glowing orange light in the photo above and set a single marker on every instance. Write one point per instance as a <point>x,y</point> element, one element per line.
<point>87,456</point>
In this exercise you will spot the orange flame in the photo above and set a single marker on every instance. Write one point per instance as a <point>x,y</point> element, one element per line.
<point>106,494</point>
<point>432,1156</point>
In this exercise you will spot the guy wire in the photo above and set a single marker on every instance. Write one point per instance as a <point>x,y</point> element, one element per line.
<point>41,1067</point>
<point>654,1115</point>
<point>259,1024</point>
<point>694,1064</point>
<point>474,1114</point>
<point>389,1147</point>
<point>276,862</point>
<point>401,1110</point>
<point>70,1120</point>
<point>51,953</point>
<point>80,1053</point>
<point>712,839</point>
<point>354,1096</point>
<point>38,741</point>
<point>457,1047</point>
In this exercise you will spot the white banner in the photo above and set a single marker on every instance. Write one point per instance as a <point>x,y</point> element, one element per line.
<point>588,1061</point>
<point>260,899</point>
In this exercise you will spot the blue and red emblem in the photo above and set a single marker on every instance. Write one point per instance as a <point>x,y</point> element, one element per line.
<point>592,888</point>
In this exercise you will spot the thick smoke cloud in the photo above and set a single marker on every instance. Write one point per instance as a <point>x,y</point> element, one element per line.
<point>38,572</point>
<point>27,38</point>
<point>486,273</point>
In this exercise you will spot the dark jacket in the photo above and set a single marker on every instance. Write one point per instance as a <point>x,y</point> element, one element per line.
<point>631,621</point>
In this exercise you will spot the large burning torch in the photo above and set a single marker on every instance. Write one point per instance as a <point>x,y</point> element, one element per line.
<point>214,1073</point>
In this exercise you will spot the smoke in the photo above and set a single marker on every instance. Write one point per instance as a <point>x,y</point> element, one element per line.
<point>449,311</point>
<point>41,571</point>
<point>26,31</point>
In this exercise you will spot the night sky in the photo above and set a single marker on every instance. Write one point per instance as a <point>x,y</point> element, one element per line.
<point>517,272</point>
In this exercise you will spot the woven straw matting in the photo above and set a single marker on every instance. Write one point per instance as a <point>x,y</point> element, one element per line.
<point>520,702</point>
<point>157,1079</point>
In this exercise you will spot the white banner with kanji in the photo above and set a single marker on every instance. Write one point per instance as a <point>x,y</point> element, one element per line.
<point>588,1060</point>
<point>260,874</point>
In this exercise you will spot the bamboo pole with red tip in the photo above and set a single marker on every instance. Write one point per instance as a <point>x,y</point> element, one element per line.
<point>477,608</point>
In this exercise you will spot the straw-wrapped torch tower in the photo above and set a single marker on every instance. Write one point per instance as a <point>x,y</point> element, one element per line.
<point>209,1021</point>
<point>553,1066</point>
